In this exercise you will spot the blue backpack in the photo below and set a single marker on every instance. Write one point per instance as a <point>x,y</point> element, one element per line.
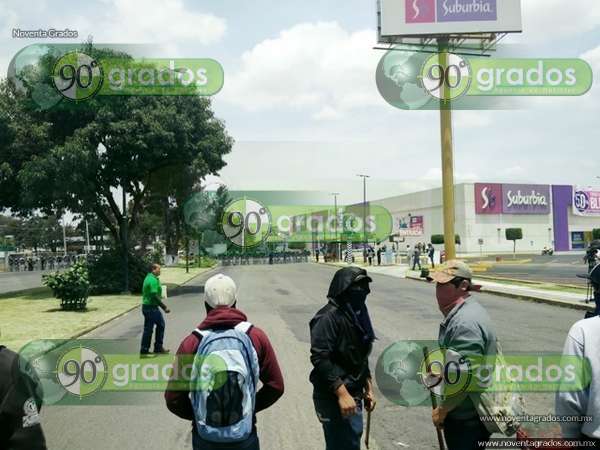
<point>223,387</point>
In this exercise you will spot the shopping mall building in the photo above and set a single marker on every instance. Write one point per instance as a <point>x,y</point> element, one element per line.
<point>558,216</point>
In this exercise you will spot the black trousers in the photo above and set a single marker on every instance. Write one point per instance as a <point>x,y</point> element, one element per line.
<point>466,434</point>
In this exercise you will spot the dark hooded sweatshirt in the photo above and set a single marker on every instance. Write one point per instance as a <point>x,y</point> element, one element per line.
<point>339,353</point>
<point>270,376</point>
<point>20,404</point>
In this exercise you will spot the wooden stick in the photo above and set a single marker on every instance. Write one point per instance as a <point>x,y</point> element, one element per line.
<point>368,429</point>
<point>440,436</point>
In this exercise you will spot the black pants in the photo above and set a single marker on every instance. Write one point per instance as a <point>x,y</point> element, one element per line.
<point>465,434</point>
<point>152,318</point>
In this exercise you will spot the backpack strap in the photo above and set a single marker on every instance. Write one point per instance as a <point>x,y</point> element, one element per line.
<point>201,333</point>
<point>244,327</point>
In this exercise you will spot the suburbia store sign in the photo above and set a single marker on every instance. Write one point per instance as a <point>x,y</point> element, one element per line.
<point>515,199</point>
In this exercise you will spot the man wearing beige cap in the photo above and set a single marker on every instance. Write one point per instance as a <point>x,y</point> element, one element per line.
<point>467,331</point>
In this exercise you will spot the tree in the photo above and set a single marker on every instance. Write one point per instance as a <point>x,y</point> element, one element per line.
<point>84,152</point>
<point>514,234</point>
<point>596,233</point>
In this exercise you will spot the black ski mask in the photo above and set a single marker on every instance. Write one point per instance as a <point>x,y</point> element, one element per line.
<point>356,295</point>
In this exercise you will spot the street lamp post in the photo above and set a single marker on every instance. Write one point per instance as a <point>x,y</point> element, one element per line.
<point>364,177</point>
<point>64,227</point>
<point>125,239</point>
<point>335,212</point>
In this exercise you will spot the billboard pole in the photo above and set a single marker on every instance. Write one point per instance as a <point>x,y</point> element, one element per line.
<point>447,156</point>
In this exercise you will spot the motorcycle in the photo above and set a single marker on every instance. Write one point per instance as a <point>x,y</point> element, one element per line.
<point>548,251</point>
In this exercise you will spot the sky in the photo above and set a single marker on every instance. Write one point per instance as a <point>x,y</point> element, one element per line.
<point>301,102</point>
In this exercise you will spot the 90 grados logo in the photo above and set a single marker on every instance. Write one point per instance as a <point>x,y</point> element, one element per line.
<point>82,371</point>
<point>77,76</point>
<point>246,223</point>
<point>446,78</point>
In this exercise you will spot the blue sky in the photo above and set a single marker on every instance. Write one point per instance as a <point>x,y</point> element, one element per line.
<point>300,96</point>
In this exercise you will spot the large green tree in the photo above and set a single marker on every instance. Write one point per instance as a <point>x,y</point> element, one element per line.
<point>82,154</point>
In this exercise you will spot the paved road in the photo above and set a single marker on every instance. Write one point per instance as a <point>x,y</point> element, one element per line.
<point>281,300</point>
<point>562,269</point>
<point>18,281</point>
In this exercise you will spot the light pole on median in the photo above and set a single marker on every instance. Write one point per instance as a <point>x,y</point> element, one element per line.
<point>364,177</point>
<point>125,238</point>
<point>335,212</point>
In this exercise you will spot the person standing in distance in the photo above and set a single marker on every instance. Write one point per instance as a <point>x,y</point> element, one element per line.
<point>151,302</point>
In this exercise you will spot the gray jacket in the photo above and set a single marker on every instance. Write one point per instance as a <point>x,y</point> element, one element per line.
<point>583,341</point>
<point>467,330</point>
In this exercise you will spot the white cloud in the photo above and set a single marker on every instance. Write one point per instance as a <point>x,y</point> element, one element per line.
<point>548,20</point>
<point>513,171</point>
<point>122,21</point>
<point>327,113</point>
<point>316,66</point>
<point>471,119</point>
<point>159,21</point>
<point>593,58</point>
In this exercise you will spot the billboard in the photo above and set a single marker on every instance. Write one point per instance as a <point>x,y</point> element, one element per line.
<point>410,226</point>
<point>431,17</point>
<point>586,201</point>
<point>493,198</point>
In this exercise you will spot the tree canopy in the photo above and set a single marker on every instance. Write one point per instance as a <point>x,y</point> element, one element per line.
<point>76,156</point>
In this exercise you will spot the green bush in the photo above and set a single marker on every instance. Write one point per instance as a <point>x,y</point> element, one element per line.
<point>437,239</point>
<point>106,273</point>
<point>71,286</point>
<point>596,233</point>
<point>205,261</point>
<point>514,234</point>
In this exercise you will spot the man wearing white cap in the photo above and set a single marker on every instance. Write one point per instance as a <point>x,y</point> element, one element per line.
<point>224,415</point>
<point>467,330</point>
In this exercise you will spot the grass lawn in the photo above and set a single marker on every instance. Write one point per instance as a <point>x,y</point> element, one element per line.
<point>35,314</point>
<point>174,276</point>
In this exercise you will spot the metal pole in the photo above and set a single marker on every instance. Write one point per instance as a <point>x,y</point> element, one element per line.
<point>447,158</point>
<point>64,238</point>
<point>365,217</point>
<point>125,241</point>
<point>364,177</point>
<point>335,211</point>
<point>87,235</point>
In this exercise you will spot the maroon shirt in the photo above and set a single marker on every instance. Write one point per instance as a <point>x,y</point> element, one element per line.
<point>179,402</point>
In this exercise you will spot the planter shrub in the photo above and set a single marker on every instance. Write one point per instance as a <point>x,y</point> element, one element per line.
<point>71,286</point>
<point>106,273</point>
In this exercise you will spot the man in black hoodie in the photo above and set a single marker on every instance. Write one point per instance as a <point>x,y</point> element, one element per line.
<point>341,340</point>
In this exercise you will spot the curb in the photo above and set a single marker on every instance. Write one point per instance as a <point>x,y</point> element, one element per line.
<point>532,282</point>
<point>89,330</point>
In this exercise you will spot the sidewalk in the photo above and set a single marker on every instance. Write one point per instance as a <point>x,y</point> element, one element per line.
<point>564,299</point>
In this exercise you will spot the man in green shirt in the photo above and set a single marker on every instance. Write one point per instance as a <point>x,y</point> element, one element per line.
<point>151,301</point>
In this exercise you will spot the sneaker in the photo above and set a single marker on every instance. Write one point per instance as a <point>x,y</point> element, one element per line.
<point>145,355</point>
<point>162,351</point>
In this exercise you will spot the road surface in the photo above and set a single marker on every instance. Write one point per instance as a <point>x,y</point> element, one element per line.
<point>562,269</point>
<point>281,300</point>
<point>18,281</point>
